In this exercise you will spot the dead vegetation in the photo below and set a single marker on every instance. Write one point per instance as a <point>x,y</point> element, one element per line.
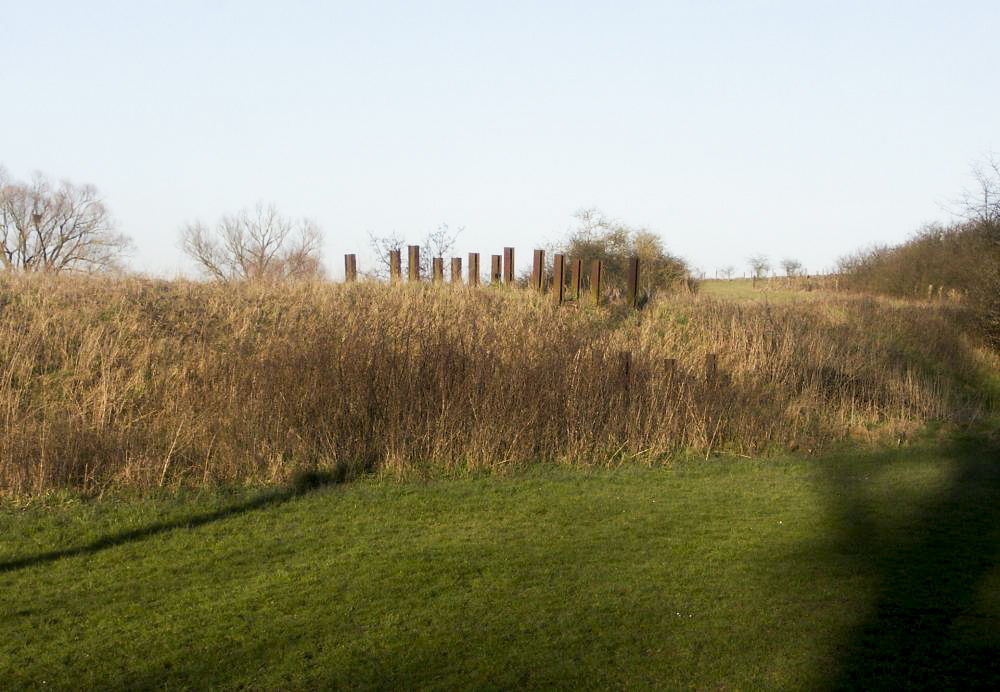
<point>108,383</point>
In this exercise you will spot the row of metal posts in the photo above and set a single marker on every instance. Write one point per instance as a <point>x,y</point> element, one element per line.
<point>502,271</point>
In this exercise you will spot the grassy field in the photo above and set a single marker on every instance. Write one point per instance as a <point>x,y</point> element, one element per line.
<point>313,486</point>
<point>111,384</point>
<point>855,570</point>
<point>775,290</point>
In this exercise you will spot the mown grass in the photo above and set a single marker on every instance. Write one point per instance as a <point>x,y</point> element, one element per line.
<point>860,570</point>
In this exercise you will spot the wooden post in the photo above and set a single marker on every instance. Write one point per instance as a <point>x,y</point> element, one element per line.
<point>456,270</point>
<point>538,271</point>
<point>438,269</point>
<point>632,282</point>
<point>350,268</point>
<point>670,369</point>
<point>414,258</point>
<point>473,268</point>
<point>508,266</point>
<point>495,272</point>
<point>596,276</point>
<point>558,278</point>
<point>711,367</point>
<point>624,368</point>
<point>577,278</point>
<point>395,265</point>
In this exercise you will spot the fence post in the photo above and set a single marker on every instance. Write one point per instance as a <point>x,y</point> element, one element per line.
<point>596,275</point>
<point>350,268</point>
<point>576,280</point>
<point>456,270</point>
<point>625,368</point>
<point>508,266</point>
<point>395,265</point>
<point>632,282</point>
<point>437,270</point>
<point>473,268</point>
<point>495,272</point>
<point>670,366</point>
<point>558,278</point>
<point>711,367</point>
<point>538,271</point>
<point>414,258</point>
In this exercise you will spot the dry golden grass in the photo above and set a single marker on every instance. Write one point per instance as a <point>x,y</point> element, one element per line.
<point>109,383</point>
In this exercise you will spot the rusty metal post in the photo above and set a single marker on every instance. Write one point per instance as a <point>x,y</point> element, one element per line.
<point>711,367</point>
<point>414,259</point>
<point>625,370</point>
<point>508,266</point>
<point>495,271</point>
<point>473,268</point>
<point>632,282</point>
<point>437,265</point>
<point>596,277</point>
<point>670,369</point>
<point>456,270</point>
<point>395,265</point>
<point>558,278</point>
<point>538,271</point>
<point>350,268</point>
<point>576,280</point>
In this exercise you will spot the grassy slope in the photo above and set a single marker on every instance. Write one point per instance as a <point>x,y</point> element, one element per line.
<point>849,570</point>
<point>111,384</point>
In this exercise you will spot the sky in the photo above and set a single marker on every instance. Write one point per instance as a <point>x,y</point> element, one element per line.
<point>795,129</point>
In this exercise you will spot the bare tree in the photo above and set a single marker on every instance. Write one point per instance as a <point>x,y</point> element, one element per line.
<point>382,246</point>
<point>982,203</point>
<point>760,266</point>
<point>727,271</point>
<point>54,228</point>
<point>256,245</point>
<point>791,267</point>
<point>436,243</point>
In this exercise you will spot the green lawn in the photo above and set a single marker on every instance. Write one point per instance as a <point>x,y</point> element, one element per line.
<point>859,570</point>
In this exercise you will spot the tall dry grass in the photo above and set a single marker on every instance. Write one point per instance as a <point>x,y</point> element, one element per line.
<point>107,383</point>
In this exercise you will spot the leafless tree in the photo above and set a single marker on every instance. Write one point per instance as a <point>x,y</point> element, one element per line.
<point>436,243</point>
<point>760,266</point>
<point>982,202</point>
<point>727,271</point>
<point>382,246</point>
<point>54,228</point>
<point>257,245</point>
<point>791,267</point>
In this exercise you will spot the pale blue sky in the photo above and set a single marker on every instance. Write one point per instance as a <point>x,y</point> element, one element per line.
<point>802,129</point>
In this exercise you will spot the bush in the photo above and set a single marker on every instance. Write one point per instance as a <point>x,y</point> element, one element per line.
<point>961,261</point>
<point>598,237</point>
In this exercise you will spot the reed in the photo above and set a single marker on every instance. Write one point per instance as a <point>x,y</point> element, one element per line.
<point>120,382</point>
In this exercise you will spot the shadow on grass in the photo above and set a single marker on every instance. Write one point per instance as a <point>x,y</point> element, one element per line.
<point>301,484</point>
<point>926,627</point>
